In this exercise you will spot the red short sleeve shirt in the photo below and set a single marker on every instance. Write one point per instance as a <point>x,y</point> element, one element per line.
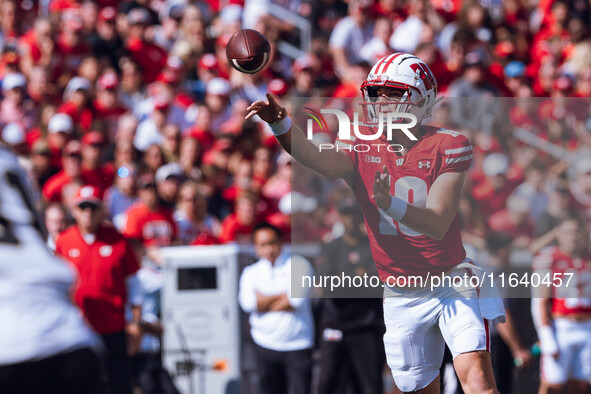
<point>102,268</point>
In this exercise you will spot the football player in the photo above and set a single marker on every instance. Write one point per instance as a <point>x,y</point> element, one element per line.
<point>564,310</point>
<point>46,345</point>
<point>410,201</point>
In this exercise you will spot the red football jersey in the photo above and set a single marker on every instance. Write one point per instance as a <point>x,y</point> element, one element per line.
<point>574,296</point>
<point>103,267</point>
<point>397,249</point>
<point>153,228</point>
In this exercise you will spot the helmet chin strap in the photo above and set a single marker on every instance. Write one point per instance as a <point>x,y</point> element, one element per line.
<point>429,112</point>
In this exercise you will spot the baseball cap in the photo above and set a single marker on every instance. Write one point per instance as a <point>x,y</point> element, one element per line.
<point>176,11</point>
<point>78,83</point>
<point>208,62</point>
<point>169,170</point>
<point>277,87</point>
<point>13,80</point>
<point>108,81</point>
<point>169,77</point>
<point>473,58</point>
<point>515,69</point>
<point>89,194</point>
<point>218,86</point>
<point>175,63</point>
<point>13,133</point>
<point>60,123</point>
<point>495,164</point>
<point>161,103</point>
<point>138,15</point>
<point>93,138</point>
<point>231,13</point>
<point>108,14</point>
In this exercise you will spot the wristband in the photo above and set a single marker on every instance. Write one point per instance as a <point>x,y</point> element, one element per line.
<point>397,208</point>
<point>548,343</point>
<point>280,127</point>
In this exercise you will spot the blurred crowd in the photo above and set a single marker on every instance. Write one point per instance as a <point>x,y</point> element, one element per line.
<point>136,96</point>
<point>137,99</point>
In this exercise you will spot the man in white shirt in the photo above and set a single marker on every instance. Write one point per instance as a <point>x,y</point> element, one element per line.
<point>282,327</point>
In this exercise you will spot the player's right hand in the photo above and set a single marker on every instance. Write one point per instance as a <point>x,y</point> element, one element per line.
<point>270,111</point>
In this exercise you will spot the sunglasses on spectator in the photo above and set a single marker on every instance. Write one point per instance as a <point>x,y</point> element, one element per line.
<point>73,155</point>
<point>88,205</point>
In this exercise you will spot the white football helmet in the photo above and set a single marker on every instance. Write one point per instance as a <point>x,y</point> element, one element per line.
<point>405,72</point>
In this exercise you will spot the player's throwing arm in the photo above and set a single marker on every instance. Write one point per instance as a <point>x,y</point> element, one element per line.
<point>333,164</point>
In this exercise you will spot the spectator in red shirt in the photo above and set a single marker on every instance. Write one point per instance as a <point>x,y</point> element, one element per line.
<point>492,194</point>
<point>106,106</point>
<point>150,57</point>
<point>93,172</point>
<point>77,102</point>
<point>70,45</point>
<point>149,223</point>
<point>238,226</point>
<point>36,45</point>
<point>515,221</point>
<point>71,172</point>
<point>107,268</point>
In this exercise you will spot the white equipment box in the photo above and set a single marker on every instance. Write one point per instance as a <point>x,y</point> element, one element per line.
<point>201,317</point>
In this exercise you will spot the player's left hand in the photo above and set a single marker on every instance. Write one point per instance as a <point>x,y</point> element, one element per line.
<point>381,189</point>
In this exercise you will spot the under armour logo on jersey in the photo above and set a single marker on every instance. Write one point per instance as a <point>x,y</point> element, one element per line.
<point>399,162</point>
<point>424,164</point>
<point>373,159</point>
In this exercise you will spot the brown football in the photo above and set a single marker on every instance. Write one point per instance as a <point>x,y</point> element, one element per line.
<point>248,51</point>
